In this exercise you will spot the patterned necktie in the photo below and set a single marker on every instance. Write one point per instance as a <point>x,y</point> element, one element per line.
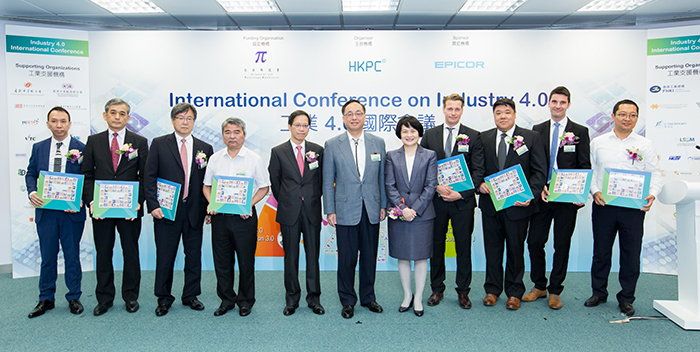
<point>448,143</point>
<point>114,147</point>
<point>357,163</point>
<point>57,158</point>
<point>185,169</point>
<point>300,161</point>
<point>553,148</point>
<point>502,151</point>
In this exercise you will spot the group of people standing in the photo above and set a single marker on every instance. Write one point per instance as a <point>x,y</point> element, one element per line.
<point>359,184</point>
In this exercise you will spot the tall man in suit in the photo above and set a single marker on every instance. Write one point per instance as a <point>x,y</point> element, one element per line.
<point>295,174</point>
<point>355,202</point>
<point>104,160</point>
<point>450,139</point>
<point>505,146</point>
<point>181,158</point>
<point>56,227</point>
<point>561,154</point>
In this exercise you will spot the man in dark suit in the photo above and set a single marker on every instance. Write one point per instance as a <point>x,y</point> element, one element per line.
<point>505,146</point>
<point>562,154</point>
<point>295,174</point>
<point>56,227</point>
<point>104,159</point>
<point>181,158</point>
<point>450,139</point>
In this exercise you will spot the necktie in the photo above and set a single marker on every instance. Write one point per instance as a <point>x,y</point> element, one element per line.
<point>300,161</point>
<point>502,151</point>
<point>448,143</point>
<point>357,164</point>
<point>185,169</point>
<point>553,148</point>
<point>57,158</point>
<point>114,147</point>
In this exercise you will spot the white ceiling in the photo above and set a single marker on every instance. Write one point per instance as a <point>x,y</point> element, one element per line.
<point>327,15</point>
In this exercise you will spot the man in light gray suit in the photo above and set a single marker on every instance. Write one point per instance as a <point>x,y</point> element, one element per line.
<point>354,200</point>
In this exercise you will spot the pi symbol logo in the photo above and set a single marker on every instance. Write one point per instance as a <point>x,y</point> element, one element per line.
<point>260,56</point>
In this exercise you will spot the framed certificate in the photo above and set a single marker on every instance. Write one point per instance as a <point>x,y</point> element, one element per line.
<point>168,194</point>
<point>60,191</point>
<point>231,195</point>
<point>453,172</point>
<point>115,199</point>
<point>507,187</point>
<point>626,188</point>
<point>569,185</point>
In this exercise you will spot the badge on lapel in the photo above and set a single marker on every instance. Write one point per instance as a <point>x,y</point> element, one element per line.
<point>312,159</point>
<point>375,157</point>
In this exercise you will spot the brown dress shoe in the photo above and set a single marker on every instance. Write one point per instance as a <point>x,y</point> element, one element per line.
<point>555,302</point>
<point>490,299</point>
<point>435,298</point>
<point>513,303</point>
<point>534,295</point>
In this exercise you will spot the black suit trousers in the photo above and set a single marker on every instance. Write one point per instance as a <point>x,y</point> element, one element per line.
<point>291,235</point>
<point>363,237</point>
<point>104,237</point>
<point>500,231</point>
<point>462,228</point>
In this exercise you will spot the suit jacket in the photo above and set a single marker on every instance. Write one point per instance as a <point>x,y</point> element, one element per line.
<point>39,161</point>
<point>164,162</point>
<point>97,163</point>
<point>532,162</point>
<point>433,139</point>
<point>343,190</point>
<point>580,159</point>
<point>417,193</point>
<point>289,187</point>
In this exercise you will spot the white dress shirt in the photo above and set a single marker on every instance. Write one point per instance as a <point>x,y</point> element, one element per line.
<point>562,126</point>
<point>120,137</point>
<point>409,164</point>
<point>63,151</point>
<point>246,164</point>
<point>303,149</point>
<point>360,152</point>
<point>189,142</point>
<point>609,151</point>
<point>498,138</point>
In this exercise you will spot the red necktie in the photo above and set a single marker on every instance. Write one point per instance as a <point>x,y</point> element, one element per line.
<point>114,148</point>
<point>185,169</point>
<point>300,161</point>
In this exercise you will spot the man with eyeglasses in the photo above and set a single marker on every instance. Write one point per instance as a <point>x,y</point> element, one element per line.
<point>181,158</point>
<point>295,174</point>
<point>355,202</point>
<point>621,148</point>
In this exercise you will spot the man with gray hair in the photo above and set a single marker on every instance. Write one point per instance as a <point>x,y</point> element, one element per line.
<point>181,158</point>
<point>235,234</point>
<point>115,154</point>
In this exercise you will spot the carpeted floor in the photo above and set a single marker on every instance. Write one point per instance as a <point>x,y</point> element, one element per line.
<point>444,327</point>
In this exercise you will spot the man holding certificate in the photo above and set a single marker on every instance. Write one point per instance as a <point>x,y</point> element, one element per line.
<point>232,175</point>
<point>116,154</point>
<point>506,146</point>
<point>569,148</point>
<point>451,139</point>
<point>636,163</point>
<point>181,158</point>
<point>56,227</point>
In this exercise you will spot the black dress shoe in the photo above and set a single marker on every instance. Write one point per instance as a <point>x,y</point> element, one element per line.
<point>317,309</point>
<point>289,311</point>
<point>373,307</point>
<point>347,312</point>
<point>244,311</point>
<point>418,313</point>
<point>41,308</point>
<point>627,309</point>
<point>195,304</point>
<point>223,309</point>
<point>435,298</point>
<point>594,301</point>
<point>464,301</point>
<point>75,306</point>
<point>101,308</point>
<point>403,309</point>
<point>131,306</point>
<point>162,310</point>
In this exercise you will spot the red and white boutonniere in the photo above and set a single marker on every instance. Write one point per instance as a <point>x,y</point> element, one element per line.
<point>128,150</point>
<point>200,159</point>
<point>312,159</point>
<point>633,154</point>
<point>568,138</point>
<point>463,143</point>
<point>518,143</point>
<point>75,156</point>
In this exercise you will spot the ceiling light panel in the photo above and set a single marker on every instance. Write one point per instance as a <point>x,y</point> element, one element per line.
<point>249,6</point>
<point>612,5</point>
<point>370,5</point>
<point>491,5</point>
<point>128,6</point>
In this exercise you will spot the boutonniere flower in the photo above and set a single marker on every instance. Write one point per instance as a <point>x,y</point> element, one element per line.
<point>126,148</point>
<point>633,154</point>
<point>200,159</point>
<point>396,212</point>
<point>74,156</point>
<point>517,142</point>
<point>311,156</point>
<point>463,139</point>
<point>568,138</point>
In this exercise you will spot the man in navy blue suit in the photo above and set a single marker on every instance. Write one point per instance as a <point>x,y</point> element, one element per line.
<point>56,227</point>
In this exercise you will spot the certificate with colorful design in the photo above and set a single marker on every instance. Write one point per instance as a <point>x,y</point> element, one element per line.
<point>569,185</point>
<point>115,199</point>
<point>626,188</point>
<point>453,172</point>
<point>507,187</point>
<point>60,191</point>
<point>231,195</point>
<point>168,194</point>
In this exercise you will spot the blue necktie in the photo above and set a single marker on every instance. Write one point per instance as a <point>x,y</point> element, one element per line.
<point>553,150</point>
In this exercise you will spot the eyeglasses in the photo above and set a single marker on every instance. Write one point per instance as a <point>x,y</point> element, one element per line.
<point>356,114</point>
<point>183,118</point>
<point>302,126</point>
<point>624,115</point>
